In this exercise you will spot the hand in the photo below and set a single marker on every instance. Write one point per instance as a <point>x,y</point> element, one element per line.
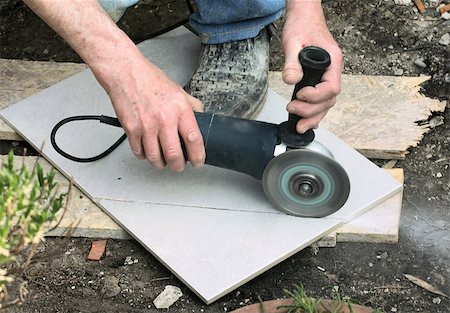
<point>155,112</point>
<point>305,26</point>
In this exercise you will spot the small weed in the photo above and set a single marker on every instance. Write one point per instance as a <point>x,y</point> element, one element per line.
<point>29,203</point>
<point>302,303</point>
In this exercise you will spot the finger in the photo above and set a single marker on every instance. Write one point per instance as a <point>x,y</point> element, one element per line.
<point>312,122</point>
<point>305,109</point>
<point>330,85</point>
<point>192,137</point>
<point>292,70</point>
<point>171,148</point>
<point>153,150</point>
<point>196,104</point>
<point>321,92</point>
<point>134,136</point>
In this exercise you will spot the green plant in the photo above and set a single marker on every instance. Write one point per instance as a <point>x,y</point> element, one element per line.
<point>30,202</point>
<point>302,303</point>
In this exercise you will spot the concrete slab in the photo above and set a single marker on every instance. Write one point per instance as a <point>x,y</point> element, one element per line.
<point>216,210</point>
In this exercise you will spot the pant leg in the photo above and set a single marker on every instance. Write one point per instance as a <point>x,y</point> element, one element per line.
<point>219,21</point>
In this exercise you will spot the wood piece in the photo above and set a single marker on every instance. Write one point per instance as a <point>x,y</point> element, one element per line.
<point>20,79</point>
<point>379,225</point>
<point>420,6</point>
<point>370,109</point>
<point>97,250</point>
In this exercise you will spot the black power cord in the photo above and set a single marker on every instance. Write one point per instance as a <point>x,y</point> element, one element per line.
<point>103,119</point>
<point>113,121</point>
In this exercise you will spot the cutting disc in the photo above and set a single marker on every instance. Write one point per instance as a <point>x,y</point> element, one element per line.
<point>306,183</point>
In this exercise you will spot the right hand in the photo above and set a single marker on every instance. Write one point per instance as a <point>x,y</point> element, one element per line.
<point>155,112</point>
<point>152,109</point>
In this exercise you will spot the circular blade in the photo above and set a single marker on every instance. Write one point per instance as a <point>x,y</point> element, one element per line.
<point>306,183</point>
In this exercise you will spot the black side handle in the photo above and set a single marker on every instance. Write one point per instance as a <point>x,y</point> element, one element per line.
<point>314,61</point>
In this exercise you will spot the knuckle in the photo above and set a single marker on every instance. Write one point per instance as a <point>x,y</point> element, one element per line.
<point>335,90</point>
<point>193,137</point>
<point>153,157</point>
<point>331,102</point>
<point>133,129</point>
<point>172,154</point>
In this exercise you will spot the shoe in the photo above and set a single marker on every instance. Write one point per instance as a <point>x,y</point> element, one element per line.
<point>231,78</point>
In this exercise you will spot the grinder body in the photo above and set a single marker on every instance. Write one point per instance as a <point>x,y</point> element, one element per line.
<point>240,145</point>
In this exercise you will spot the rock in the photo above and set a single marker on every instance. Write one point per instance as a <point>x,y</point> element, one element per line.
<point>438,8</point>
<point>167,297</point>
<point>447,78</point>
<point>129,261</point>
<point>445,39</point>
<point>110,287</point>
<point>437,300</point>
<point>436,121</point>
<point>420,63</point>
<point>398,71</point>
<point>403,2</point>
<point>445,15</point>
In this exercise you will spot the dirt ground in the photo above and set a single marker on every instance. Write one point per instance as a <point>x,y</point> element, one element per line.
<point>377,38</point>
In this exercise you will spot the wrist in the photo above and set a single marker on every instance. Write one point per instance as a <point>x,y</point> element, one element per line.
<point>111,56</point>
<point>304,6</point>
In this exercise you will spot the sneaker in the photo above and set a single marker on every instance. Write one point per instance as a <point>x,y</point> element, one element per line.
<point>231,78</point>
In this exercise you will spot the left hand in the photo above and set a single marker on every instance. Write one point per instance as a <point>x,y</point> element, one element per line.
<point>306,26</point>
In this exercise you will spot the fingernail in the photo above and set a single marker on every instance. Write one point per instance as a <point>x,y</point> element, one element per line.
<point>289,76</point>
<point>198,165</point>
<point>301,130</point>
<point>301,97</point>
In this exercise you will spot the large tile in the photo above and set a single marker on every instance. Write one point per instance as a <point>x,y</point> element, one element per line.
<point>215,251</point>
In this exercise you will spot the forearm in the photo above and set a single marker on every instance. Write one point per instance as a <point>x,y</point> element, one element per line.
<point>90,32</point>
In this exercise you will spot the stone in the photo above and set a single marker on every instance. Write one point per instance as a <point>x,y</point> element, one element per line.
<point>403,2</point>
<point>167,297</point>
<point>398,71</point>
<point>445,39</point>
<point>110,287</point>
<point>420,63</point>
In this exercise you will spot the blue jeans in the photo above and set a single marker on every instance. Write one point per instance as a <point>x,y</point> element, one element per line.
<point>219,21</point>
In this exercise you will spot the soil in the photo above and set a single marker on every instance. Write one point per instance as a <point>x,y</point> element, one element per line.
<point>377,38</point>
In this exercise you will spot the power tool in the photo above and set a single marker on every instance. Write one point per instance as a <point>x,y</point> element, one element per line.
<point>299,175</point>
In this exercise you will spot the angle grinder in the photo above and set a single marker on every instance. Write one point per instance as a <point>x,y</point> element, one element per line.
<point>299,175</point>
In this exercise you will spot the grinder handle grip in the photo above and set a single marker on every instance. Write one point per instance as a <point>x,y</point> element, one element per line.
<point>314,61</point>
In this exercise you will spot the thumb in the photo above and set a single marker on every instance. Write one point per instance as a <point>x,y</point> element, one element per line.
<point>292,70</point>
